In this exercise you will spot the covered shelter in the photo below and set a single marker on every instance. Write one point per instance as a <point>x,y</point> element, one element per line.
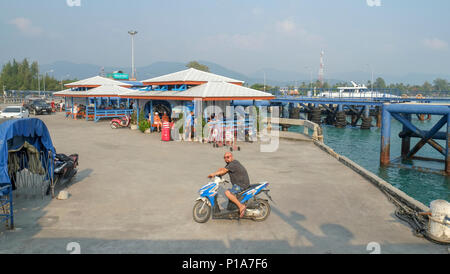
<point>24,144</point>
<point>100,102</point>
<point>204,98</point>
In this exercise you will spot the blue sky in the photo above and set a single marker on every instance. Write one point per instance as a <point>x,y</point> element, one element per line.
<point>398,37</point>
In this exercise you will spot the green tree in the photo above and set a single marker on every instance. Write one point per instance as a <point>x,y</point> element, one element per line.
<point>197,65</point>
<point>379,83</point>
<point>441,84</point>
<point>427,87</point>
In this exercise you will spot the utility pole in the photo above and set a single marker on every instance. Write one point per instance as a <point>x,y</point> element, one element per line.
<point>264,81</point>
<point>132,33</point>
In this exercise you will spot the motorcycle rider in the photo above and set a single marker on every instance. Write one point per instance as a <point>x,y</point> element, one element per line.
<point>238,176</point>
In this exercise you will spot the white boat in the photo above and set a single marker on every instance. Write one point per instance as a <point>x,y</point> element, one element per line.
<point>355,91</point>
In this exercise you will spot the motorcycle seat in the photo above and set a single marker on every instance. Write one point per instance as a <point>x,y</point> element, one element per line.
<point>250,187</point>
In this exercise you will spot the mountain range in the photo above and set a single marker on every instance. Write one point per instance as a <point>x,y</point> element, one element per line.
<point>274,77</point>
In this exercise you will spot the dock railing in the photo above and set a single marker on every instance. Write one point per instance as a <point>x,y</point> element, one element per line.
<point>310,129</point>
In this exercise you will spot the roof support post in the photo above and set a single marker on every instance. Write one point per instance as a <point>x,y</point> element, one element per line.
<point>86,109</point>
<point>151,115</point>
<point>72,109</point>
<point>95,109</point>
<point>137,112</point>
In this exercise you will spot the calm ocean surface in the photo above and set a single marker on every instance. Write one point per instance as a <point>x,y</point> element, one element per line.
<point>363,147</point>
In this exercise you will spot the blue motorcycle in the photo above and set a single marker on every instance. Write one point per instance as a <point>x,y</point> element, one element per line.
<point>206,205</point>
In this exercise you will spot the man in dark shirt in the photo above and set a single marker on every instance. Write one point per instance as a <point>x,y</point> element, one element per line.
<point>238,176</point>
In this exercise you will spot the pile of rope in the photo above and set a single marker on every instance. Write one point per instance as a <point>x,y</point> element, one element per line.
<point>417,221</point>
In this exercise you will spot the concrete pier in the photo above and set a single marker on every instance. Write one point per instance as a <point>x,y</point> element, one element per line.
<point>134,194</point>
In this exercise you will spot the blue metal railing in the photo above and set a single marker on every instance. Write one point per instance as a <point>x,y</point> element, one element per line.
<point>110,113</point>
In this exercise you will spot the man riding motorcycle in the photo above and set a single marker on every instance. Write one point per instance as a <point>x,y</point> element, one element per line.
<point>238,176</point>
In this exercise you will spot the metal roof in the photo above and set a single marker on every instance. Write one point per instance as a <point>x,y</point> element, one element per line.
<point>96,81</point>
<point>108,90</point>
<point>223,89</point>
<point>191,75</point>
<point>206,90</point>
<point>105,90</point>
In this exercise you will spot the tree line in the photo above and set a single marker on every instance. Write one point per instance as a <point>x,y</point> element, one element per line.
<point>25,76</point>
<point>438,87</point>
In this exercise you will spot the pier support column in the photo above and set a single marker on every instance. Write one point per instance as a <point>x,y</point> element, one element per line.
<point>447,147</point>
<point>406,141</point>
<point>385,136</point>
<point>378,117</point>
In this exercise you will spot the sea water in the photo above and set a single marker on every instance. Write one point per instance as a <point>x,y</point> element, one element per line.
<point>363,147</point>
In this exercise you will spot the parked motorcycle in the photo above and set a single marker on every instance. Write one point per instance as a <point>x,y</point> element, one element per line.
<point>206,205</point>
<point>64,170</point>
<point>122,122</point>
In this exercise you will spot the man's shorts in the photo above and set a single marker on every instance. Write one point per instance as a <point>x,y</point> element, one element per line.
<point>235,189</point>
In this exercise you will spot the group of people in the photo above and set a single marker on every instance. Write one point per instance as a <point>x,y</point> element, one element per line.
<point>158,121</point>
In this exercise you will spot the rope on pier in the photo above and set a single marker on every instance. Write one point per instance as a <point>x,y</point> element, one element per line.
<point>410,216</point>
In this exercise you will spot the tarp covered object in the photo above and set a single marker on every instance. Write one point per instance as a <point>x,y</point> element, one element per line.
<point>14,133</point>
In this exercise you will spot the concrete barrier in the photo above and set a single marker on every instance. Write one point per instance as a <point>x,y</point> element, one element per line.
<point>315,129</point>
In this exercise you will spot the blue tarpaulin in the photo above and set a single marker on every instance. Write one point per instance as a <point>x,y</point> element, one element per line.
<point>13,133</point>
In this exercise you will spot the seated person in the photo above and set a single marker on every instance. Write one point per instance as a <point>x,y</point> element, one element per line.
<point>157,121</point>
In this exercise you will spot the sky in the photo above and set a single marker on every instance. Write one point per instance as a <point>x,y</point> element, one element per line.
<point>389,36</point>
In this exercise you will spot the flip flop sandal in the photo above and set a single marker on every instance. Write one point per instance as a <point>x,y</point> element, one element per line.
<point>243,212</point>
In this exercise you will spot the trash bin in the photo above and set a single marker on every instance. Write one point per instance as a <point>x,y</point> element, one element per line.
<point>165,131</point>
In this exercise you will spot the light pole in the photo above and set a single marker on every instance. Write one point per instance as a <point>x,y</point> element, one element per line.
<point>371,82</point>
<point>62,78</point>
<point>310,78</point>
<point>132,33</point>
<point>44,80</point>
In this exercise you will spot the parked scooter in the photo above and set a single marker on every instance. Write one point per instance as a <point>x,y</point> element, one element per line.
<point>64,170</point>
<point>122,122</point>
<point>206,205</point>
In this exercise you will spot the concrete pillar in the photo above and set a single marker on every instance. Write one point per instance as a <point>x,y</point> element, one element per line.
<point>385,136</point>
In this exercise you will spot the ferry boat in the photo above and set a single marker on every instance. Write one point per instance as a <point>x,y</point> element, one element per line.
<point>355,91</point>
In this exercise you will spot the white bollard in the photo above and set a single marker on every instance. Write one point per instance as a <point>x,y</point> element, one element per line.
<point>439,224</point>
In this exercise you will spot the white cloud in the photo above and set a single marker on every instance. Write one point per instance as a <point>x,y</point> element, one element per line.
<point>435,44</point>
<point>286,26</point>
<point>25,26</point>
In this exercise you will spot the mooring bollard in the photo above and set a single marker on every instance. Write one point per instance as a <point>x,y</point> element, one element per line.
<point>439,221</point>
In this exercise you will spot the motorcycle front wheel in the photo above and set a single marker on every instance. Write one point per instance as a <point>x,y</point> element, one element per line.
<point>114,125</point>
<point>201,212</point>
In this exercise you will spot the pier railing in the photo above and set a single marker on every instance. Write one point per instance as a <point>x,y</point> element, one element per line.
<point>310,129</point>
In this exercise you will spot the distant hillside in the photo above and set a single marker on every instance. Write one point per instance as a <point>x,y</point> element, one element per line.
<point>274,77</point>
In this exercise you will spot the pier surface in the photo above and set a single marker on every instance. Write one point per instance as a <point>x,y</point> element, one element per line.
<point>134,194</point>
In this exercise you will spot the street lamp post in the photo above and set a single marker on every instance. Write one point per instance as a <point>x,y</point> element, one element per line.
<point>44,76</point>
<point>132,33</point>
<point>371,82</point>
<point>310,78</point>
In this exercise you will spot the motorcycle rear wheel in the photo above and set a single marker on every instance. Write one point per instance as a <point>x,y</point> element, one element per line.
<point>201,215</point>
<point>114,125</point>
<point>264,207</point>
